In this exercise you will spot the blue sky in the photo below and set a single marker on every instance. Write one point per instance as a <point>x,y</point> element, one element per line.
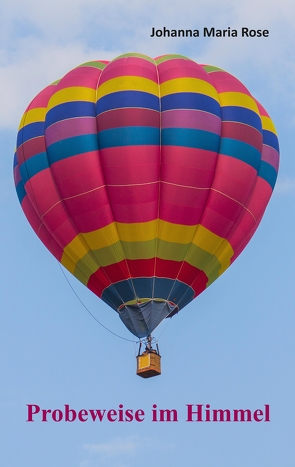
<point>233,347</point>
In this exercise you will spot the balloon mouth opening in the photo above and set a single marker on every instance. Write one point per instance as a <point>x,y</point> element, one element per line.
<point>140,301</point>
<point>142,316</point>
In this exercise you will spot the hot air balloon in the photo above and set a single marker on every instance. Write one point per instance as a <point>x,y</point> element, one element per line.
<point>145,178</point>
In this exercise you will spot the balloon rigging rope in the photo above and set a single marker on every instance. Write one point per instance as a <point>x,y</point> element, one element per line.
<point>94,317</point>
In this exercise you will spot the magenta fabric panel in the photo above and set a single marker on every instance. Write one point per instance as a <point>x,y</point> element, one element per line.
<point>241,132</point>
<point>128,117</point>
<point>30,148</point>
<point>179,68</point>
<point>132,170</point>
<point>69,128</point>
<point>40,229</point>
<point>225,82</point>
<point>129,66</point>
<point>186,118</point>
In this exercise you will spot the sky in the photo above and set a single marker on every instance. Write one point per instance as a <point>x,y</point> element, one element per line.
<point>233,347</point>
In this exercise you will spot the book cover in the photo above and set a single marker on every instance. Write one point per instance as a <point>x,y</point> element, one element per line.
<point>70,395</point>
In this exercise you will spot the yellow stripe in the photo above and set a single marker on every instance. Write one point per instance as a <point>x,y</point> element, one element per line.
<point>224,253</point>
<point>70,265</point>
<point>73,252</point>
<point>32,116</point>
<point>176,233</point>
<point>145,231</point>
<point>137,232</point>
<point>108,241</point>
<point>127,83</point>
<point>213,244</point>
<point>74,93</point>
<point>95,240</point>
<point>206,239</point>
<point>103,237</point>
<point>267,124</point>
<point>238,99</point>
<point>188,85</point>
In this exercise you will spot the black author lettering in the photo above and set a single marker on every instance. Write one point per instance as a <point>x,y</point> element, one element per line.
<point>164,32</point>
<point>212,32</point>
<point>209,32</point>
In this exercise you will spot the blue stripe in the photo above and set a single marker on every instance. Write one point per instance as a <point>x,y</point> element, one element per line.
<point>121,99</point>
<point>69,110</point>
<point>129,136</point>
<point>268,173</point>
<point>186,297</point>
<point>190,100</point>
<point>143,286</point>
<point>181,293</point>
<point>191,138</point>
<point>71,147</point>
<point>20,191</point>
<point>242,115</point>
<point>111,295</point>
<point>33,165</point>
<point>30,131</point>
<point>240,150</point>
<point>270,139</point>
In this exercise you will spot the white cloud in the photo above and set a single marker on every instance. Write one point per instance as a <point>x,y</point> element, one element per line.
<point>34,69</point>
<point>118,446</point>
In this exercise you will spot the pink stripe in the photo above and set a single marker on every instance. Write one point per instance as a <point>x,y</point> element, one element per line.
<point>42,191</point>
<point>137,173</point>
<point>240,236</point>
<point>223,206</point>
<point>97,219</point>
<point>181,68</point>
<point>40,229</point>
<point>260,198</point>
<point>234,178</point>
<point>30,148</point>
<point>242,132</point>
<point>85,80</point>
<point>78,78</point>
<point>261,109</point>
<point>188,167</point>
<point>31,214</point>
<point>69,128</point>
<point>182,205</point>
<point>78,174</point>
<point>16,175</point>
<point>130,164</point>
<point>136,203</point>
<point>247,224</point>
<point>129,66</point>
<point>271,156</point>
<point>142,212</point>
<point>188,157</point>
<point>224,82</point>
<point>59,225</point>
<point>50,243</point>
<point>128,117</point>
<point>191,119</point>
<point>41,100</point>
<point>177,214</point>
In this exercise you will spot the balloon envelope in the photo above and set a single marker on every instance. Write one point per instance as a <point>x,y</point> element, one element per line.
<point>145,178</point>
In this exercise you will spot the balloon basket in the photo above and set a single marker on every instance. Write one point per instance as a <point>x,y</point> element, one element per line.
<point>148,364</point>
